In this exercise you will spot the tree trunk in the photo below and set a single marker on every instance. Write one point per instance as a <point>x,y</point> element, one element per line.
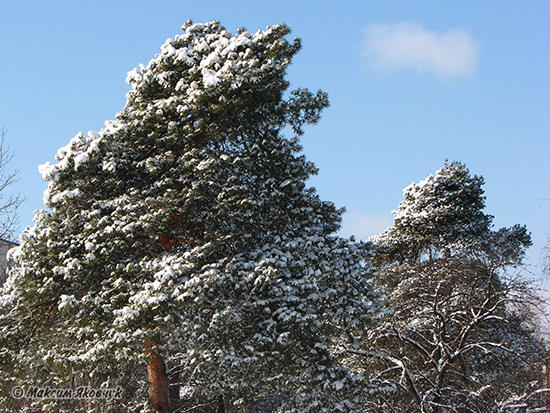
<point>156,379</point>
<point>221,404</point>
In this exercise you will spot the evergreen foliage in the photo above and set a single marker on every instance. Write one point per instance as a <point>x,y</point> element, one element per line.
<point>443,214</point>
<point>184,231</point>
<point>183,258</point>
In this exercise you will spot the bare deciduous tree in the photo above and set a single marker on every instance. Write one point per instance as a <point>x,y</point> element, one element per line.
<point>9,203</point>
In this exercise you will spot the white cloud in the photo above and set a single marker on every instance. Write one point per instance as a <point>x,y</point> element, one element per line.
<point>363,225</point>
<point>409,45</point>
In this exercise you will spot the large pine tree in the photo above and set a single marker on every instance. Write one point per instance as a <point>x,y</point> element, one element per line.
<point>182,245</point>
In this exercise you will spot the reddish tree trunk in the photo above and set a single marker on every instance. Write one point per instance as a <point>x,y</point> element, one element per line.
<point>156,380</point>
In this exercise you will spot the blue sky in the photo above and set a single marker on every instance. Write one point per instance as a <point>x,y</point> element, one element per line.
<point>411,83</point>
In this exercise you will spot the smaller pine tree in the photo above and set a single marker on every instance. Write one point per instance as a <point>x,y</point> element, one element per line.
<point>442,214</point>
<point>456,336</point>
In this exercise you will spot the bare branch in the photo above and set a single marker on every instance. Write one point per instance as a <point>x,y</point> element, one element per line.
<point>9,219</point>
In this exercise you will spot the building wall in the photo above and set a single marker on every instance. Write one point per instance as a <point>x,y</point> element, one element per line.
<point>5,246</point>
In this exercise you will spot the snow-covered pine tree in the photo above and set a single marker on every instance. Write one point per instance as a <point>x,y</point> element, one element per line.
<point>182,238</point>
<point>457,335</point>
<point>442,214</point>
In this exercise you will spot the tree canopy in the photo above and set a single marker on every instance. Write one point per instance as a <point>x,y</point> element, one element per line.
<point>182,258</point>
<point>458,331</point>
<point>182,238</point>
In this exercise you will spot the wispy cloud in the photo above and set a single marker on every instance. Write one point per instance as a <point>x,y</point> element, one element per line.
<point>409,45</point>
<point>362,225</point>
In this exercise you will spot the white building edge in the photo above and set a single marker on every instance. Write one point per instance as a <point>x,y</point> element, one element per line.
<point>5,265</point>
